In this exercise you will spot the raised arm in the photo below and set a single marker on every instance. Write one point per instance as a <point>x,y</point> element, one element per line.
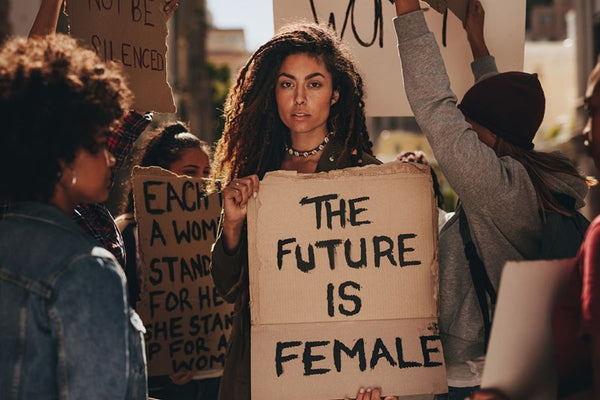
<point>406,6</point>
<point>46,18</point>
<point>474,28</point>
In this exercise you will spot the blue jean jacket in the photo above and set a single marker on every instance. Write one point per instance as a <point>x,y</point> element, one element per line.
<point>66,329</point>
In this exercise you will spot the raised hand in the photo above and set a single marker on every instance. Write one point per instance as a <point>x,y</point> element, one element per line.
<point>474,27</point>
<point>170,7</point>
<point>371,394</point>
<point>235,201</point>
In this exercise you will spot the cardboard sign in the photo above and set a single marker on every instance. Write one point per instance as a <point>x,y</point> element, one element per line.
<point>343,283</point>
<point>132,33</point>
<point>520,358</point>
<point>187,322</point>
<point>367,27</point>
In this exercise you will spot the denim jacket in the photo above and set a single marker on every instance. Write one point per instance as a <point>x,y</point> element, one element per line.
<point>66,329</point>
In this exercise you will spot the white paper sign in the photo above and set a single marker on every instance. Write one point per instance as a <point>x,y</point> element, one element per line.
<point>520,361</point>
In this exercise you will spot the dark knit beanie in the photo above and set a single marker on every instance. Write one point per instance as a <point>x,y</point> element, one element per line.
<point>511,105</point>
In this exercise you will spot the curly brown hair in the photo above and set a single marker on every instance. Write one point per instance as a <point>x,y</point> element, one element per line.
<point>54,97</point>
<point>254,137</point>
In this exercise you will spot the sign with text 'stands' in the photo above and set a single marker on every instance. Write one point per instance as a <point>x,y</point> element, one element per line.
<point>132,33</point>
<point>187,322</point>
<point>343,283</point>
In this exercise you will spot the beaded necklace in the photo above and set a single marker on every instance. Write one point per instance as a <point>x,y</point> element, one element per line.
<point>293,152</point>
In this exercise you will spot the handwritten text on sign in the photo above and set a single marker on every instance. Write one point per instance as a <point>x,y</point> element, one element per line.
<point>343,282</point>
<point>132,33</point>
<point>187,322</point>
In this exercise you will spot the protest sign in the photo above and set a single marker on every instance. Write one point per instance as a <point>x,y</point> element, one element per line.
<point>520,358</point>
<point>132,33</point>
<point>366,25</point>
<point>343,283</point>
<point>187,322</point>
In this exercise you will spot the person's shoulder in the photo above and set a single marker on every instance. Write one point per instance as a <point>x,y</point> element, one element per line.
<point>594,228</point>
<point>94,268</point>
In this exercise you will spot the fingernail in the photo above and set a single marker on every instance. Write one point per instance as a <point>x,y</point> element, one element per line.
<point>255,194</point>
<point>368,390</point>
<point>362,390</point>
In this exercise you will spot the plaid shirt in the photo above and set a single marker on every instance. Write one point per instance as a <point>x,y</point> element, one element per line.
<point>95,218</point>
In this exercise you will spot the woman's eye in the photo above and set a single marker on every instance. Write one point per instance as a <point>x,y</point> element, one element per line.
<point>315,84</point>
<point>190,172</point>
<point>285,84</point>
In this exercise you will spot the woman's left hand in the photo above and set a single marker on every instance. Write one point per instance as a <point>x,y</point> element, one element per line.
<point>488,394</point>
<point>371,394</point>
<point>181,377</point>
<point>170,7</point>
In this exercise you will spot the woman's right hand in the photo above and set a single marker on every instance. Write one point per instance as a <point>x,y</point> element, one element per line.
<point>488,394</point>
<point>235,201</point>
<point>474,27</point>
<point>371,394</point>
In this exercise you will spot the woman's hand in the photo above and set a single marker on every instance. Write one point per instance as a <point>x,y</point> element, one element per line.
<point>181,377</point>
<point>474,27</point>
<point>170,7</point>
<point>371,394</point>
<point>235,201</point>
<point>488,394</point>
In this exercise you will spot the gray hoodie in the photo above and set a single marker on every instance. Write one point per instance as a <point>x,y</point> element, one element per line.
<point>496,194</point>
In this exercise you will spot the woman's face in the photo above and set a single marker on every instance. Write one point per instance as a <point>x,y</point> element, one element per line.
<point>304,94</point>
<point>192,162</point>
<point>92,172</point>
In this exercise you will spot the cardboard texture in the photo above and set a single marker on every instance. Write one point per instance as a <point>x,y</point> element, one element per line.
<point>187,322</point>
<point>520,357</point>
<point>368,29</point>
<point>132,33</point>
<point>349,255</point>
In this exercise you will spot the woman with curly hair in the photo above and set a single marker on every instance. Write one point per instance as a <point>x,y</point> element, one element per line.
<point>297,105</point>
<point>65,324</point>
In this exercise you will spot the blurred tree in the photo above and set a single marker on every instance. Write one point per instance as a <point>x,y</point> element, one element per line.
<point>219,86</point>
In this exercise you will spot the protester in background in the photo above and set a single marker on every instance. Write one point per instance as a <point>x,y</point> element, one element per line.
<point>484,148</point>
<point>577,313</point>
<point>95,218</point>
<point>66,328</point>
<point>589,256</point>
<point>576,319</point>
<point>297,105</point>
<point>172,147</point>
